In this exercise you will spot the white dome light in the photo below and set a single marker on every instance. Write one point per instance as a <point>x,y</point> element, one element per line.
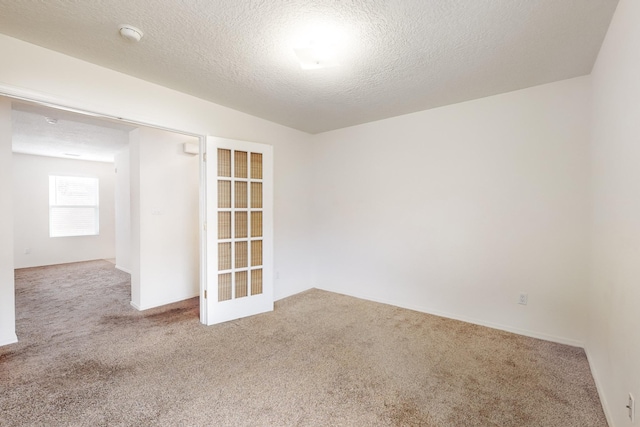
<point>319,44</point>
<point>131,33</point>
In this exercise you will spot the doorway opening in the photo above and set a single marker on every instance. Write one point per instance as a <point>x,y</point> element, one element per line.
<point>149,198</point>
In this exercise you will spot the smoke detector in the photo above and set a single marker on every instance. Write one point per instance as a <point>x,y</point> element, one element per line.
<point>131,33</point>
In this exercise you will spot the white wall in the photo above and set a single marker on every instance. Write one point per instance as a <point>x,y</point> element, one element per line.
<point>164,215</point>
<point>31,212</point>
<point>613,343</point>
<point>457,210</point>
<point>134,216</point>
<point>7,304</point>
<point>123,211</point>
<point>29,70</point>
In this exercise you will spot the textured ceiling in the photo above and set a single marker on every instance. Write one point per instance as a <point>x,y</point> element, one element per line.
<point>73,136</point>
<point>396,56</point>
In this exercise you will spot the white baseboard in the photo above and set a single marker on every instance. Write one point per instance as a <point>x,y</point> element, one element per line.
<point>8,339</point>
<point>123,269</point>
<point>290,294</point>
<point>527,333</point>
<point>596,378</point>
<point>21,265</point>
<point>161,303</point>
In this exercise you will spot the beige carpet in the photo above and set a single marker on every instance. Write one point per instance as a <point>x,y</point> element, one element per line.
<point>86,357</point>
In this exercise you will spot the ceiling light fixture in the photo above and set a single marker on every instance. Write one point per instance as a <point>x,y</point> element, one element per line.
<point>131,33</point>
<point>319,42</point>
<point>316,55</point>
<point>51,120</point>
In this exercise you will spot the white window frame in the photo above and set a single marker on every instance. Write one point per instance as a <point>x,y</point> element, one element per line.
<point>53,205</point>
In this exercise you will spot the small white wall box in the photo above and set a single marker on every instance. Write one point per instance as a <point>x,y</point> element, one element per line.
<point>190,148</point>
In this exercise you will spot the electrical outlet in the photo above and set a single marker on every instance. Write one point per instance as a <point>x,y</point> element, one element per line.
<point>27,251</point>
<point>523,299</point>
<point>631,407</point>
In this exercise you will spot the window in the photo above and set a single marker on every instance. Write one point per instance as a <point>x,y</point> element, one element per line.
<point>73,206</point>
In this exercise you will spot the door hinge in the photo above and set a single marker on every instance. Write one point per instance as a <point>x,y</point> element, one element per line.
<point>205,226</point>
<point>204,157</point>
<point>205,294</point>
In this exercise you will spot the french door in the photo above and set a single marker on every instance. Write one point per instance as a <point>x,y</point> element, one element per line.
<point>239,230</point>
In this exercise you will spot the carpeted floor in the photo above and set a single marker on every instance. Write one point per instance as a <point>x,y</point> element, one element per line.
<point>86,357</point>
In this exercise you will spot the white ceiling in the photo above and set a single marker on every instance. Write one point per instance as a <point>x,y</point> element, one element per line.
<point>73,136</point>
<point>396,56</point>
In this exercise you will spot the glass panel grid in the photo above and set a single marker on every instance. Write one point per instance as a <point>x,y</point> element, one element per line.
<point>224,194</point>
<point>224,256</point>
<point>240,164</point>
<point>224,225</point>
<point>241,195</point>
<point>242,255</point>
<point>224,162</point>
<point>256,166</point>
<point>241,228</point>
<point>256,224</point>
<point>224,287</point>
<point>242,284</point>
<point>256,282</point>
<point>256,195</point>
<point>256,253</point>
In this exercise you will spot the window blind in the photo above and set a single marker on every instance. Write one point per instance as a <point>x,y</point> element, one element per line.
<point>73,206</point>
